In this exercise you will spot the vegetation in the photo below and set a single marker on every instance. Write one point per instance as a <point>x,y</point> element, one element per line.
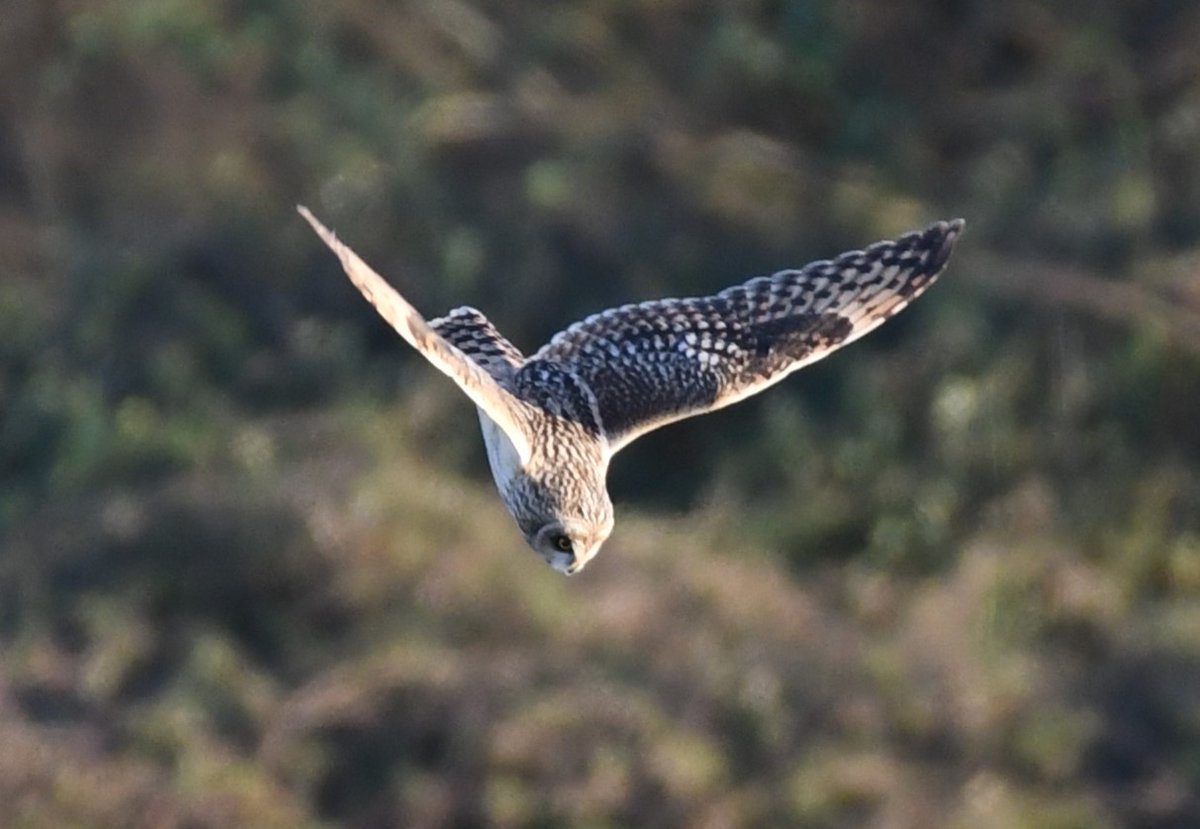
<point>252,571</point>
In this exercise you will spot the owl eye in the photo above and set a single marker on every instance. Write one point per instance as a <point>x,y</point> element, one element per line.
<point>563,544</point>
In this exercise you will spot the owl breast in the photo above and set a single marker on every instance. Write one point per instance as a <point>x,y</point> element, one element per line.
<point>503,458</point>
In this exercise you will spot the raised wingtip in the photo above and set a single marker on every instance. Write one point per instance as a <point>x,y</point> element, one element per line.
<point>327,235</point>
<point>949,227</point>
<point>941,237</point>
<point>308,216</point>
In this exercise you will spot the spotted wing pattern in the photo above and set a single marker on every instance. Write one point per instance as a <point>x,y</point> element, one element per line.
<point>473,334</point>
<point>661,361</point>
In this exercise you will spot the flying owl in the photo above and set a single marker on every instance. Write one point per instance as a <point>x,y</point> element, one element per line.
<point>552,421</point>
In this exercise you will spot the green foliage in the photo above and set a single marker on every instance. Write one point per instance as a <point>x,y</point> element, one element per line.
<point>946,578</point>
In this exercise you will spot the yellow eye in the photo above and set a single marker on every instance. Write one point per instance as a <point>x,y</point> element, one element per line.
<point>563,544</point>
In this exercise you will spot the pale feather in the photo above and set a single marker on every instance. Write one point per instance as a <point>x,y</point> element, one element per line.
<point>502,408</point>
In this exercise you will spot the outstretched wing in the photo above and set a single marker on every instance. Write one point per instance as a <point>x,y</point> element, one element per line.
<point>661,361</point>
<point>485,391</point>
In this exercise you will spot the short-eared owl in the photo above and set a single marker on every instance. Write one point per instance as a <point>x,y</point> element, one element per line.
<point>552,421</point>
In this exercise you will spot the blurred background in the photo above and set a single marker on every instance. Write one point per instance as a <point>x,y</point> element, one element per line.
<point>253,571</point>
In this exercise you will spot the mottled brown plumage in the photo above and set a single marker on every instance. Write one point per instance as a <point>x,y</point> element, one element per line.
<point>552,421</point>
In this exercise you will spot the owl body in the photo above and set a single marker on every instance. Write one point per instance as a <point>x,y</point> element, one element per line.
<point>551,422</point>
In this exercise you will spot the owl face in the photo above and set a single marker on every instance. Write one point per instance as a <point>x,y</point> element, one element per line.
<point>563,511</point>
<point>568,545</point>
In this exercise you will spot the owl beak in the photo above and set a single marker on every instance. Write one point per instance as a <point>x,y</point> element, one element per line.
<point>586,554</point>
<point>568,565</point>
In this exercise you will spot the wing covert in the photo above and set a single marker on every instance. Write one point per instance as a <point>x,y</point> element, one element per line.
<point>468,330</point>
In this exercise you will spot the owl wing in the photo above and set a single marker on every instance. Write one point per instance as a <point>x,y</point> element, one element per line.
<point>509,412</point>
<point>661,361</point>
<point>473,334</point>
